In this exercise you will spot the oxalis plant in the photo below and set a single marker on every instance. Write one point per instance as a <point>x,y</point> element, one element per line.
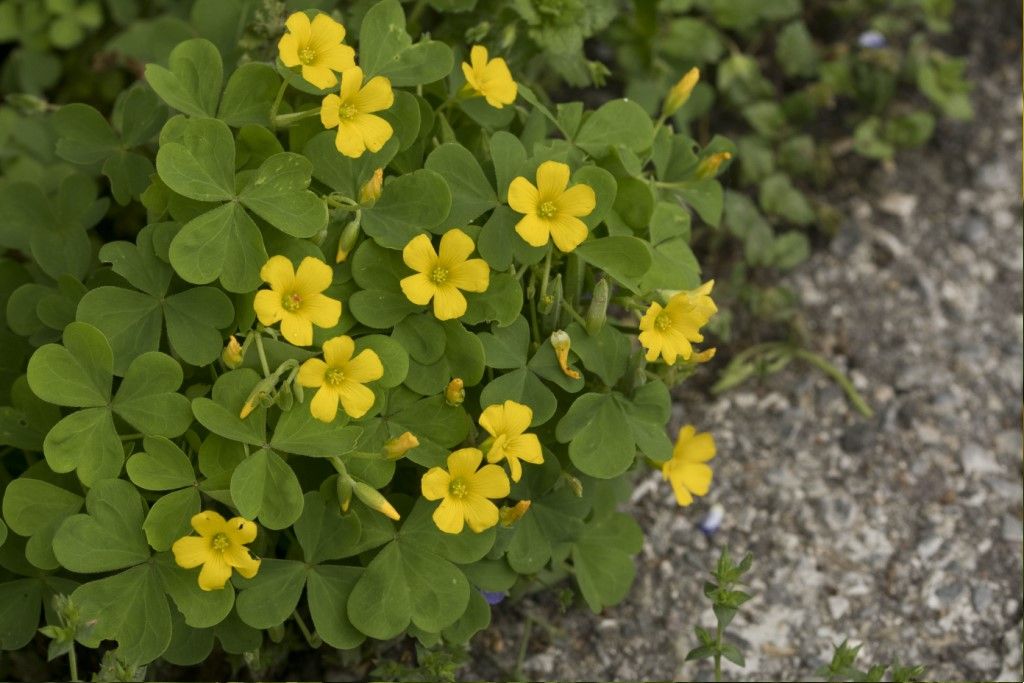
<point>368,336</point>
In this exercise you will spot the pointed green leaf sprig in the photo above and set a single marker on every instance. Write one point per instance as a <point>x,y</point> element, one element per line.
<point>79,374</point>
<point>725,601</point>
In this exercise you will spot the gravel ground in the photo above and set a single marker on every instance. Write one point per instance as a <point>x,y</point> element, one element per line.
<point>902,532</point>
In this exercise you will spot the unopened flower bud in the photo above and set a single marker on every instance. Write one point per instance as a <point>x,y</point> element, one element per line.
<point>680,92</point>
<point>574,484</point>
<point>598,311</point>
<point>397,447</point>
<point>347,241</point>
<point>232,353</point>
<point>709,166</point>
<point>511,515</point>
<point>455,392</point>
<point>561,341</point>
<point>371,191</point>
<point>374,500</point>
<point>344,487</point>
<point>703,356</point>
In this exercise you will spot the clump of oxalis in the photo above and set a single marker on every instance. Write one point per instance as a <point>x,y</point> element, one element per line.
<point>386,347</point>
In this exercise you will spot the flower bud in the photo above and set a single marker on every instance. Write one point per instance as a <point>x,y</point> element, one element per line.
<point>397,447</point>
<point>703,356</point>
<point>455,392</point>
<point>561,341</point>
<point>575,484</point>
<point>680,92</point>
<point>373,499</point>
<point>708,166</point>
<point>347,241</point>
<point>231,356</point>
<point>598,311</point>
<point>371,191</point>
<point>344,487</point>
<point>511,515</point>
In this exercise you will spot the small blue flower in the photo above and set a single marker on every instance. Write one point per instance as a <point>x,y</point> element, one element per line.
<point>709,525</point>
<point>493,597</point>
<point>871,40</point>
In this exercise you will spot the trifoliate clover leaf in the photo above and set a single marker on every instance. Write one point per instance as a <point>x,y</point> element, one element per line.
<point>385,49</point>
<point>603,559</point>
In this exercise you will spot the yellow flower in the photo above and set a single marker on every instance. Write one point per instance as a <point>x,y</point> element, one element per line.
<point>316,47</point>
<point>511,515</point>
<point>506,423</point>
<point>464,491</point>
<point>219,547</point>
<point>489,78</point>
<point>709,166</point>
<point>455,392</point>
<point>562,342</point>
<point>550,208</point>
<point>396,448</point>
<point>296,299</point>
<point>370,192</point>
<point>687,471</point>
<point>341,378</point>
<point>352,113</point>
<point>441,276</point>
<point>231,356</point>
<point>680,92</point>
<point>669,331</point>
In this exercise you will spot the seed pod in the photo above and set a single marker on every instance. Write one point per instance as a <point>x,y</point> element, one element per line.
<point>347,241</point>
<point>344,487</point>
<point>598,311</point>
<point>373,499</point>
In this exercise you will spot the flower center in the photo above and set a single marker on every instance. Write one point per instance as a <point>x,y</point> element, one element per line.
<point>547,210</point>
<point>439,275</point>
<point>221,542</point>
<point>291,302</point>
<point>307,55</point>
<point>663,321</point>
<point>347,111</point>
<point>334,376</point>
<point>458,489</point>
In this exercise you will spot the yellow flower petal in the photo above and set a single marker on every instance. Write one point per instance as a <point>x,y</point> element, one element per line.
<point>338,58</point>
<point>696,477</point>
<point>215,573</point>
<point>296,330</point>
<point>418,289</point>
<point>240,530</point>
<point>472,276</point>
<point>490,481</point>
<point>480,513</point>
<point>523,196</point>
<point>325,32</point>
<point>319,75</point>
<point>365,367</point>
<point>374,130</point>
<point>456,246</point>
<point>356,398</point>
<point>324,405</point>
<point>338,350</point>
<point>578,200</point>
<point>321,310</point>
<point>351,82</point>
<point>312,277</point>
<point>449,516</point>
<point>191,551</point>
<point>242,561</point>
<point>568,232</point>
<point>278,273</point>
<point>329,111</point>
<point>525,447</point>
<point>208,523</point>
<point>478,57</point>
<point>348,141</point>
<point>552,177</point>
<point>311,373</point>
<point>288,50</point>
<point>700,448</point>
<point>434,483</point>
<point>298,25</point>
<point>534,230</point>
<point>267,305</point>
<point>463,462</point>
<point>376,95</point>
<point>517,417</point>
<point>653,342</point>
<point>419,254</point>
<point>449,303</point>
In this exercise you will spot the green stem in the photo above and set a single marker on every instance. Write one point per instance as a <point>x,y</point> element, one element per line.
<point>313,638</point>
<point>73,662</point>
<point>277,100</point>
<point>718,652</point>
<point>262,354</point>
<point>131,437</point>
<point>839,378</point>
<point>343,203</point>
<point>524,642</point>
<point>572,311</point>
<point>545,274</point>
<point>287,119</point>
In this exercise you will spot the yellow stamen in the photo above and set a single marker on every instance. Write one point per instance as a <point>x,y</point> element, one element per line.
<point>663,322</point>
<point>347,111</point>
<point>458,489</point>
<point>307,55</point>
<point>334,376</point>
<point>547,210</point>
<point>291,302</point>
<point>221,542</point>
<point>439,275</point>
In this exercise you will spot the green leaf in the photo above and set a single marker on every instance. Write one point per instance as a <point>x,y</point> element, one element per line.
<point>505,348</point>
<point>222,243</point>
<point>619,122</point>
<point>85,136</point>
<point>605,354</point>
<point>419,529</point>
<point>779,197</point>
<point>221,414</point>
<point>600,442</point>
<point>323,532</point>
<point>341,173</point>
<point>132,609</point>
<point>77,374</point>
<point>131,321</point>
<point>194,319</point>
<point>500,303</point>
<point>328,589</point>
<point>509,158</point>
<point>380,309</point>
<point>249,95</point>
<point>201,609</point>
<point>602,559</point>
<point>168,519</point>
<point>86,441</point>
<point>19,612</point>
<point>299,432</point>
<point>33,506</point>
<point>192,84</point>
<point>409,204</point>
<point>279,195</point>
<point>129,174</point>
<point>476,618</point>
<point>386,49</point>
<point>161,467</point>
<point>202,165</point>
<point>522,386</point>
<point>472,193</point>
<point>422,336</point>
<point>265,486</point>
<point>392,355</point>
<point>706,198</point>
<point>270,597</point>
<point>109,536</point>
<point>553,518</point>
<point>625,259</point>
<point>795,51</point>
<point>148,399</point>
